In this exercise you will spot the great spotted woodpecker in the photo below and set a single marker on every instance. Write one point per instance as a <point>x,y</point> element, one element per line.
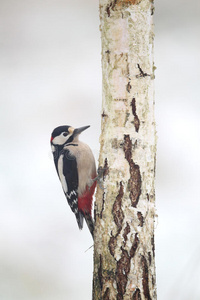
<point>75,165</point>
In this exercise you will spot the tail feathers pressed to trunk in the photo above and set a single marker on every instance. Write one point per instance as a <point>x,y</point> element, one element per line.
<point>79,218</point>
<point>89,222</point>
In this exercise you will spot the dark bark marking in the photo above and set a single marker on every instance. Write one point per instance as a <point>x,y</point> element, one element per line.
<point>137,295</point>
<point>95,213</point>
<point>102,208</point>
<point>128,87</point>
<point>145,278</point>
<point>118,216</point>
<point>106,168</point>
<point>108,10</point>
<point>126,232</point>
<point>120,3</point>
<point>134,183</point>
<point>112,245</point>
<point>140,218</point>
<point>123,268</point>
<point>104,114</point>
<point>110,6</point>
<point>153,280</point>
<point>105,172</point>
<point>133,105</point>
<point>142,74</point>
<point>123,264</point>
<point>153,245</point>
<point>106,295</point>
<point>136,121</point>
<point>117,210</point>
<point>134,246</point>
<point>108,56</point>
<point>149,256</point>
<point>100,272</point>
<point>126,3</point>
<point>128,148</point>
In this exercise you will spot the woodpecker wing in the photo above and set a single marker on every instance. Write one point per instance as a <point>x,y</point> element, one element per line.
<point>70,173</point>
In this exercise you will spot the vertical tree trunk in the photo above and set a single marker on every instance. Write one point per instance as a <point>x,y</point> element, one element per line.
<point>124,259</point>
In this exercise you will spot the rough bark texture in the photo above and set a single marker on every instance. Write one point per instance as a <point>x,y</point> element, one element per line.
<point>124,259</point>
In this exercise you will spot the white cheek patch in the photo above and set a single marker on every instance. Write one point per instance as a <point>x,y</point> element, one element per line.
<point>61,175</point>
<point>61,139</point>
<point>53,148</point>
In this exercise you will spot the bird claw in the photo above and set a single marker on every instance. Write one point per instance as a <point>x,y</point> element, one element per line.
<point>100,174</point>
<point>100,184</point>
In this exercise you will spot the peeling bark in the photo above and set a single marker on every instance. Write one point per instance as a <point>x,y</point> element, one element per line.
<point>134,183</point>
<point>122,271</point>
<point>134,246</point>
<point>145,278</point>
<point>124,252</point>
<point>140,218</point>
<point>127,230</point>
<point>117,211</point>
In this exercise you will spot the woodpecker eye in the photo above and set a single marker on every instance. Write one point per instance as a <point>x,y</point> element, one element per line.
<point>65,133</point>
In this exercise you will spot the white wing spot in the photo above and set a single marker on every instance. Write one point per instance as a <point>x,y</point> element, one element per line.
<point>71,193</point>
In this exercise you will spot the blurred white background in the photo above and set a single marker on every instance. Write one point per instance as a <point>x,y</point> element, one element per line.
<point>50,71</point>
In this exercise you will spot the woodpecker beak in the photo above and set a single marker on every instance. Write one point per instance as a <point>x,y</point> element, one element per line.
<point>77,131</point>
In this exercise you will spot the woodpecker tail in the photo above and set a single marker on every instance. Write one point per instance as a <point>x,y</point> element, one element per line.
<point>79,218</point>
<point>89,222</point>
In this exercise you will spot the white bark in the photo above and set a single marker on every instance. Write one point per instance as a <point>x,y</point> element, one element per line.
<point>124,262</point>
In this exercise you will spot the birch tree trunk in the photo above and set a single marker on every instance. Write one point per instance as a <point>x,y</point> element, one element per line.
<point>124,259</point>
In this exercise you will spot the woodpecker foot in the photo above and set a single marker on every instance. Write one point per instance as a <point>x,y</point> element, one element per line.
<point>100,174</point>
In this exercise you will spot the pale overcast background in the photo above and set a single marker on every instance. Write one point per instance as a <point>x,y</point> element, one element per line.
<point>50,74</point>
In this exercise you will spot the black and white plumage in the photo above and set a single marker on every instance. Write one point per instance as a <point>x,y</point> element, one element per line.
<point>76,169</point>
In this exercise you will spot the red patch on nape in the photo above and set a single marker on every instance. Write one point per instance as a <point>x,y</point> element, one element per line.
<point>51,139</point>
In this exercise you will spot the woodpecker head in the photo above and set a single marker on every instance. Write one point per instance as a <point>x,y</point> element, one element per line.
<point>65,134</point>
